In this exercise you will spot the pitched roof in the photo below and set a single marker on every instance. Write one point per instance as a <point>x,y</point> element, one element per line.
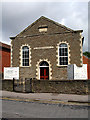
<point>56,23</point>
<point>3,45</point>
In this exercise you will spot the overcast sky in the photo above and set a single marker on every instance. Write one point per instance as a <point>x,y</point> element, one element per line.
<point>16,16</point>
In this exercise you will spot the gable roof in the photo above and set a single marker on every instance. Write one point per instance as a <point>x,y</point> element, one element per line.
<point>47,19</point>
<point>42,17</point>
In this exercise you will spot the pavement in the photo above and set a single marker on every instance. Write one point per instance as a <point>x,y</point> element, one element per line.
<point>46,97</point>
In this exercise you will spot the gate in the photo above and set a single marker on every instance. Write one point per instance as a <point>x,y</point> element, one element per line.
<point>22,85</point>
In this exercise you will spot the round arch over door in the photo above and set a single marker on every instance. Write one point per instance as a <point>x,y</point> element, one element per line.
<point>44,70</point>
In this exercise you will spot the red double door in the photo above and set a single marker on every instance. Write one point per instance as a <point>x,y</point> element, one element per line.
<point>44,73</point>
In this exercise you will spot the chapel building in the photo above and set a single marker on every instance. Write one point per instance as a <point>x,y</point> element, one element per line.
<point>44,50</point>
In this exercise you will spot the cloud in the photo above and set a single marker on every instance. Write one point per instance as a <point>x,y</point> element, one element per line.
<point>17,16</point>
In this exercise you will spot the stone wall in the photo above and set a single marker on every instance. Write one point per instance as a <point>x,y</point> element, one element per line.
<point>80,87</point>
<point>64,87</point>
<point>7,85</point>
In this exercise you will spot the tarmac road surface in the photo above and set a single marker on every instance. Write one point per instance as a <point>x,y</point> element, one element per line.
<point>21,109</point>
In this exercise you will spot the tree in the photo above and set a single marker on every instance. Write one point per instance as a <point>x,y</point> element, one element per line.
<point>87,54</point>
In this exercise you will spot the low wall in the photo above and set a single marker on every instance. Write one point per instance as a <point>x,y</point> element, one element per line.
<point>64,86</point>
<point>7,85</point>
<point>48,86</point>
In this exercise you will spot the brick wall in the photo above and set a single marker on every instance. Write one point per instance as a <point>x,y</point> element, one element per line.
<point>87,61</point>
<point>5,59</point>
<point>4,56</point>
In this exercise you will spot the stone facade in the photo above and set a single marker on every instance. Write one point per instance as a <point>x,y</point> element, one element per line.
<point>43,37</point>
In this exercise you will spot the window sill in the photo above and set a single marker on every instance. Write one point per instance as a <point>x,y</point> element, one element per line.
<point>62,65</point>
<point>25,66</point>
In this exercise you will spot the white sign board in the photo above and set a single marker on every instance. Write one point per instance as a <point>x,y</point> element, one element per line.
<point>80,72</point>
<point>11,72</point>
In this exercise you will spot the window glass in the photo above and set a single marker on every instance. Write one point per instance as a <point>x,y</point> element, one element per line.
<point>25,56</point>
<point>44,63</point>
<point>63,54</point>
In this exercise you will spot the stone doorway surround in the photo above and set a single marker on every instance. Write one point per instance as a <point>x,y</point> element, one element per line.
<point>38,68</point>
<point>44,70</point>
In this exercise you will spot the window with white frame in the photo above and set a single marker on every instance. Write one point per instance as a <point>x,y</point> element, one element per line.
<point>63,54</point>
<point>25,56</point>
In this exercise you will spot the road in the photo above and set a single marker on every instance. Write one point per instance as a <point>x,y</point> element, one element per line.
<point>21,109</point>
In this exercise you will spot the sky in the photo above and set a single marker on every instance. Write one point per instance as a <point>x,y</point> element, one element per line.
<point>16,16</point>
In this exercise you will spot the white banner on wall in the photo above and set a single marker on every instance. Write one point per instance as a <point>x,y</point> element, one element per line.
<point>80,72</point>
<point>11,72</point>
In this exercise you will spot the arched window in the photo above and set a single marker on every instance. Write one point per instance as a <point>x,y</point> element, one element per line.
<point>25,56</point>
<point>63,54</point>
<point>44,63</point>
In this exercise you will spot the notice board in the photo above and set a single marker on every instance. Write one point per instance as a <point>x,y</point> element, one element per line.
<point>11,72</point>
<point>80,72</point>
